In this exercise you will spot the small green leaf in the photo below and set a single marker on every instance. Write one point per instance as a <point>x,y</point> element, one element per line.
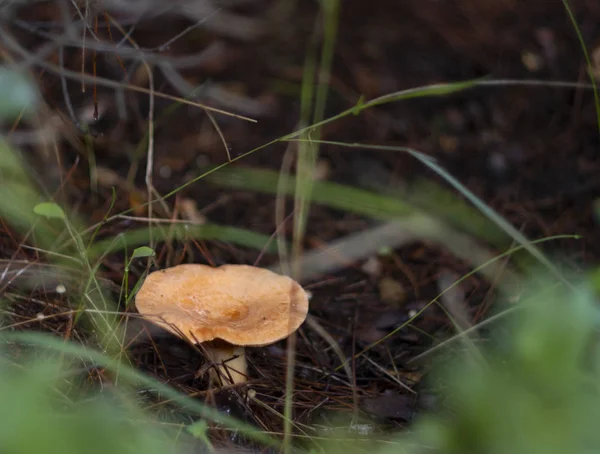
<point>142,251</point>
<point>49,210</point>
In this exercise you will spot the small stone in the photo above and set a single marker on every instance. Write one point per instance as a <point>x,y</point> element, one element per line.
<point>391,291</point>
<point>448,143</point>
<point>322,170</point>
<point>456,120</point>
<point>372,267</point>
<point>533,62</point>
<point>164,171</point>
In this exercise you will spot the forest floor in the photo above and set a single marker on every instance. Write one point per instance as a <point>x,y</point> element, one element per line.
<point>528,150</point>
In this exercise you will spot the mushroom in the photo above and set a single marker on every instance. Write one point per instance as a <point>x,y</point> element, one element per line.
<point>225,309</point>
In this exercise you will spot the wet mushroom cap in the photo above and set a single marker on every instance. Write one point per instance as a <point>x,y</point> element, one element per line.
<point>241,304</point>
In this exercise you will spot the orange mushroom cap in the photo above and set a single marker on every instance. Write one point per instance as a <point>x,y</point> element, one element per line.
<point>240,304</point>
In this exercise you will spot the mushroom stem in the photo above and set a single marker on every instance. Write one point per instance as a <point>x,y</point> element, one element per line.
<point>230,363</point>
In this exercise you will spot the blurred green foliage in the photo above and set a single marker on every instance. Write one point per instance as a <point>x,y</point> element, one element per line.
<point>37,417</point>
<point>533,390</point>
<point>19,96</point>
<point>19,196</point>
<point>18,193</point>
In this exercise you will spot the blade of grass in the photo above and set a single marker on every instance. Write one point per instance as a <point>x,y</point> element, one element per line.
<point>586,55</point>
<point>307,158</point>
<point>346,198</point>
<point>371,204</point>
<point>429,196</point>
<point>476,201</point>
<point>141,236</point>
<point>407,223</point>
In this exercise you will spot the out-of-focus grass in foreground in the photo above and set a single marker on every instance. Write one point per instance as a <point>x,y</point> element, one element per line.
<point>533,388</point>
<point>38,417</point>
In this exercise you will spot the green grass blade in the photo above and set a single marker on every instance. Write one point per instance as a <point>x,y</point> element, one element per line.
<point>335,195</point>
<point>444,89</point>
<point>428,161</point>
<point>586,55</point>
<point>372,204</point>
<point>492,215</point>
<point>307,156</point>
<point>433,199</point>
<point>140,237</point>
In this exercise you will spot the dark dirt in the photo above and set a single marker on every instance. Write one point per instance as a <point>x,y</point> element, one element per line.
<point>531,153</point>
